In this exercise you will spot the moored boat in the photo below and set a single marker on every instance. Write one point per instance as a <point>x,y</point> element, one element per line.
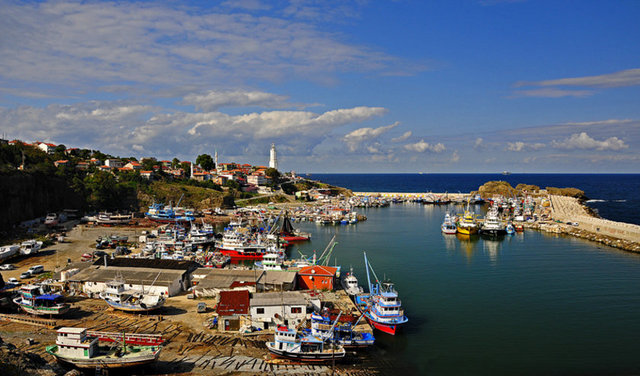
<point>467,224</point>
<point>350,284</point>
<point>381,306</point>
<point>448,226</point>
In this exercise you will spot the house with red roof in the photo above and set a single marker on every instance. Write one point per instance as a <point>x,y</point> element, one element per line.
<point>317,277</point>
<point>133,165</point>
<point>146,174</point>
<point>233,310</point>
<point>46,147</point>
<point>62,162</point>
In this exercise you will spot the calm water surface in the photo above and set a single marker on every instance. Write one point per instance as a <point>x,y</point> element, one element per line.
<point>531,304</point>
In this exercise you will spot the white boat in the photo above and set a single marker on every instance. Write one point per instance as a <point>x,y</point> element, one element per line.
<point>77,347</point>
<point>448,226</point>
<point>306,348</point>
<point>8,251</point>
<point>350,284</point>
<point>272,260</point>
<point>492,225</point>
<point>30,247</point>
<point>106,218</point>
<point>116,296</point>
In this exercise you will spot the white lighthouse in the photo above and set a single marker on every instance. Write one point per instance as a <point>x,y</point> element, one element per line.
<point>273,159</point>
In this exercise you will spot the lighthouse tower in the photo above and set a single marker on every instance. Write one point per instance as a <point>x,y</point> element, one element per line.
<point>273,159</point>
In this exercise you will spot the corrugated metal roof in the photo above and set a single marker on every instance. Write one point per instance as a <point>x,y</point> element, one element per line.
<point>233,303</point>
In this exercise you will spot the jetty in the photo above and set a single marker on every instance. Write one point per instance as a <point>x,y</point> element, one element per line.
<point>572,218</point>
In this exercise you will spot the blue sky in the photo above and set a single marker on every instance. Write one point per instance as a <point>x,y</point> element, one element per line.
<point>339,86</point>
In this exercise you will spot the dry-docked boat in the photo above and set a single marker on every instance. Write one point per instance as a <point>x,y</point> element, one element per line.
<point>381,306</point>
<point>116,296</point>
<point>8,251</point>
<point>306,347</point>
<point>80,348</point>
<point>30,247</point>
<point>33,299</point>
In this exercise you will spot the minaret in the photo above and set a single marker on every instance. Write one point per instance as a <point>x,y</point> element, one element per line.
<point>273,159</point>
<point>191,177</point>
<point>216,161</point>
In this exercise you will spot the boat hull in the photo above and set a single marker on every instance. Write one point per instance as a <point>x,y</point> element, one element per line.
<point>240,255</point>
<point>42,311</point>
<point>105,362</point>
<point>306,357</point>
<point>132,308</point>
<point>467,230</point>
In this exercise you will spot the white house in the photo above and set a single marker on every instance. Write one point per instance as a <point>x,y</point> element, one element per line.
<point>270,309</point>
<point>47,148</point>
<point>113,163</point>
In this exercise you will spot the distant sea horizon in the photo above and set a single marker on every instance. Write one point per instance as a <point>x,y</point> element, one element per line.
<point>615,196</point>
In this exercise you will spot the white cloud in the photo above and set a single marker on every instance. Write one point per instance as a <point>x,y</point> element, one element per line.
<point>455,157</point>
<point>404,137</point>
<point>629,77</point>
<point>552,93</point>
<point>212,100</point>
<point>77,45</point>
<point>422,146</point>
<point>584,141</point>
<point>478,144</point>
<point>522,146</point>
<point>601,122</point>
<point>355,138</point>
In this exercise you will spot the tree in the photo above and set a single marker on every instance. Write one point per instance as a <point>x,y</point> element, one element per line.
<point>274,175</point>
<point>175,163</point>
<point>205,161</point>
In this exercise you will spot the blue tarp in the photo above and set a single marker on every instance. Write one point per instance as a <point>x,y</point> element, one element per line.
<point>49,297</point>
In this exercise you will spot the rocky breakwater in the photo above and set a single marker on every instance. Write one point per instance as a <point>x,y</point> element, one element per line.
<point>572,218</point>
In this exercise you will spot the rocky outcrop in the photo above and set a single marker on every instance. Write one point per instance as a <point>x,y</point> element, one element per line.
<point>571,192</point>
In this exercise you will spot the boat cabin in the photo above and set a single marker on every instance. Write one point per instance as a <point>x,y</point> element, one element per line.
<point>74,343</point>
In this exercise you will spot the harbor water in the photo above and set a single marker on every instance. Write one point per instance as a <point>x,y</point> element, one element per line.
<point>529,304</point>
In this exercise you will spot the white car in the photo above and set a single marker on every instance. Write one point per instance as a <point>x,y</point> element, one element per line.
<point>13,281</point>
<point>7,267</point>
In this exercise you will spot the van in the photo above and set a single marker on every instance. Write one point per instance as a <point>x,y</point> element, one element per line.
<point>36,269</point>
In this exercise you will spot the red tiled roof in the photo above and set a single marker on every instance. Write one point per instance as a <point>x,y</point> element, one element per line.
<point>325,271</point>
<point>233,303</point>
<point>146,172</point>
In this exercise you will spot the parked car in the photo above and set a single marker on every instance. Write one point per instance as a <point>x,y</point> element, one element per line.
<point>37,269</point>
<point>7,267</point>
<point>25,275</point>
<point>13,281</point>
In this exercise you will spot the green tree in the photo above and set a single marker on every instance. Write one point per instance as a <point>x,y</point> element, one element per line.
<point>149,163</point>
<point>175,163</point>
<point>205,161</point>
<point>274,175</point>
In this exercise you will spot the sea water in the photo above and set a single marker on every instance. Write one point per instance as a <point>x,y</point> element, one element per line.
<point>529,304</point>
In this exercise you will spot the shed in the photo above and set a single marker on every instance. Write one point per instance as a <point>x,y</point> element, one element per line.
<point>316,277</point>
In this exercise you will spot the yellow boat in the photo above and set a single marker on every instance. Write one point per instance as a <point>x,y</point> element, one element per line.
<point>467,225</point>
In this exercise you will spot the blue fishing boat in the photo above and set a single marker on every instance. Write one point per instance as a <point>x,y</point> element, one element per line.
<point>381,306</point>
<point>166,214</point>
<point>343,333</point>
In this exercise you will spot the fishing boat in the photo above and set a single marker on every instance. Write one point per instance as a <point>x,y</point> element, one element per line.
<point>106,218</point>
<point>350,284</point>
<point>289,234</point>
<point>287,343</point>
<point>273,259</point>
<point>381,306</point>
<point>492,225</point>
<point>238,247</point>
<point>343,333</point>
<point>448,226</point>
<point>80,348</point>
<point>117,297</point>
<point>35,300</point>
<point>467,224</point>
<point>166,214</point>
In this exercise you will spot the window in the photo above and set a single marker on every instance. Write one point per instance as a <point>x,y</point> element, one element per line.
<point>296,309</point>
<point>260,311</point>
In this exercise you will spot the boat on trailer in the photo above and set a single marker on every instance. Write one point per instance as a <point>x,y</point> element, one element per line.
<point>287,343</point>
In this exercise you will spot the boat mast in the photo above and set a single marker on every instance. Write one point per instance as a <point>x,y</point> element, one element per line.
<point>366,265</point>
